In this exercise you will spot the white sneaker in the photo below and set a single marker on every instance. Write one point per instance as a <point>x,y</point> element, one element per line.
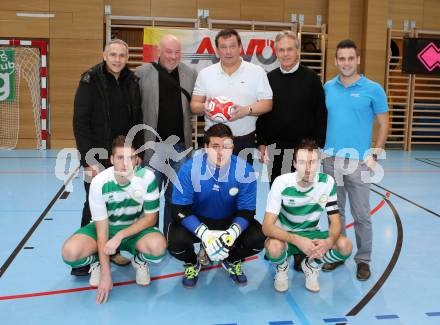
<point>95,274</point>
<point>142,273</point>
<point>281,282</point>
<point>311,274</point>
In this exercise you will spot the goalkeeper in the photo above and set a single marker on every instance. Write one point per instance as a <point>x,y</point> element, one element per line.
<point>216,206</point>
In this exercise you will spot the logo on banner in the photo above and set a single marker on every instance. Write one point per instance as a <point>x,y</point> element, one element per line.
<point>7,65</point>
<point>264,51</point>
<point>430,56</point>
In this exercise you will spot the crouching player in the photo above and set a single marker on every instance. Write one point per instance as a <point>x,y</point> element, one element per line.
<point>294,206</point>
<point>215,206</point>
<point>124,202</point>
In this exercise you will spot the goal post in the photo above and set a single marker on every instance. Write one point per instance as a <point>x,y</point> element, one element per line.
<point>22,60</point>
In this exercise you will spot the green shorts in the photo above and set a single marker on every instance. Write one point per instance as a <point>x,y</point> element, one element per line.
<point>127,244</point>
<point>292,249</point>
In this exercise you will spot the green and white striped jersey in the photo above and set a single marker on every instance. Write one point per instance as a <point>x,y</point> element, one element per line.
<point>122,205</point>
<point>300,209</point>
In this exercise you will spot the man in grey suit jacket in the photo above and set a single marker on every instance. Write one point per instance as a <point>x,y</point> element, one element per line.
<point>165,91</point>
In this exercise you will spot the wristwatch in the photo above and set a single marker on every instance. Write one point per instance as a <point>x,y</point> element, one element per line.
<point>250,110</point>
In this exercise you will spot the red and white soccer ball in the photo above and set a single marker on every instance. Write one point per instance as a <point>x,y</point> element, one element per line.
<point>220,109</point>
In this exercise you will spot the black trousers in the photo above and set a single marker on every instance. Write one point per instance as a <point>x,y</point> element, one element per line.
<point>245,142</point>
<point>86,214</point>
<point>181,241</point>
<point>282,164</point>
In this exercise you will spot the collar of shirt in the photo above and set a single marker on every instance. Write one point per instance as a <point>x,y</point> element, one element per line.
<point>295,67</point>
<point>361,81</point>
<point>240,68</point>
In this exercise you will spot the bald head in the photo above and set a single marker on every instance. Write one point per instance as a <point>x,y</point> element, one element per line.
<point>169,52</point>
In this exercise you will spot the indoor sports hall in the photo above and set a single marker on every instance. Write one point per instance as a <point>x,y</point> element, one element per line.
<point>45,47</point>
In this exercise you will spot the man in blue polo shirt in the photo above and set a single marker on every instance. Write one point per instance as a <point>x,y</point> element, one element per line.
<point>353,103</point>
<point>215,205</point>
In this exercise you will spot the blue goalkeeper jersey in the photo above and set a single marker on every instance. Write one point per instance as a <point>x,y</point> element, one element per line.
<point>216,193</point>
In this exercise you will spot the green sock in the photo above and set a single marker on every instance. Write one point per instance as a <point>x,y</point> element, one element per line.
<point>83,261</point>
<point>331,256</point>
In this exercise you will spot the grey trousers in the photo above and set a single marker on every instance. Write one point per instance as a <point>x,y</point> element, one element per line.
<point>352,177</point>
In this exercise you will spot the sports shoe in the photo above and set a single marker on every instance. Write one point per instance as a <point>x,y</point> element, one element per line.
<point>95,274</point>
<point>281,282</point>
<point>80,271</point>
<point>235,272</point>
<point>363,272</point>
<point>120,260</point>
<point>142,272</point>
<point>191,275</point>
<point>327,267</point>
<point>203,257</point>
<point>311,275</point>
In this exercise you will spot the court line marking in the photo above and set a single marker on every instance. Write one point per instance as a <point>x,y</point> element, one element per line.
<point>408,200</point>
<point>26,237</point>
<point>117,284</point>
<point>397,249</point>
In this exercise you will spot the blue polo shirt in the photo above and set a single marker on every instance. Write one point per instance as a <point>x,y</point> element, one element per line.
<point>351,112</point>
<point>216,193</point>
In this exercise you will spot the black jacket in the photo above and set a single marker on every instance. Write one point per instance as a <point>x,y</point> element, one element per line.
<point>91,115</point>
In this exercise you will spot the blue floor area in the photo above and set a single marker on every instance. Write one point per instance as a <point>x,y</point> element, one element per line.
<point>409,295</point>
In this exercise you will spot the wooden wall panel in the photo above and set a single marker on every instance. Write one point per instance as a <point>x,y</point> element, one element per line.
<point>80,19</point>
<point>174,8</point>
<point>13,26</point>
<point>357,12</point>
<point>310,9</point>
<point>400,10</point>
<point>226,9</point>
<point>338,29</point>
<point>262,10</point>
<point>431,13</point>
<point>25,5</point>
<point>68,60</point>
<point>130,7</point>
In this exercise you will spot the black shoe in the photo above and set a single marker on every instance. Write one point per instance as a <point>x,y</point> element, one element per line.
<point>80,271</point>
<point>327,267</point>
<point>297,259</point>
<point>120,260</point>
<point>363,271</point>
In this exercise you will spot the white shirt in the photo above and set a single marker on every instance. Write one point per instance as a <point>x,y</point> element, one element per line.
<point>245,86</point>
<point>295,67</point>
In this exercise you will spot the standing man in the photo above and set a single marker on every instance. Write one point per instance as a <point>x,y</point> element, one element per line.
<point>244,83</point>
<point>107,104</point>
<point>165,90</point>
<point>217,208</point>
<point>298,107</point>
<point>353,103</point>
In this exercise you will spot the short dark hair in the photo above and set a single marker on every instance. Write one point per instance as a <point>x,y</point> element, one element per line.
<point>219,130</point>
<point>119,142</point>
<point>307,144</point>
<point>346,44</point>
<point>226,33</point>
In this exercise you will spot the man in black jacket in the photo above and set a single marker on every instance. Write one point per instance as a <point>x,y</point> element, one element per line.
<point>298,111</point>
<point>107,104</point>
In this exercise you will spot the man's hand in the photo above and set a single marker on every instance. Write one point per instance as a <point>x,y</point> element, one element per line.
<point>322,246</point>
<point>262,154</point>
<point>307,246</point>
<point>206,107</point>
<point>112,245</point>
<point>370,162</point>
<point>239,112</point>
<point>104,287</point>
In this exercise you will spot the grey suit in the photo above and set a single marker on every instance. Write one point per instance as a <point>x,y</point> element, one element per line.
<point>149,87</point>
